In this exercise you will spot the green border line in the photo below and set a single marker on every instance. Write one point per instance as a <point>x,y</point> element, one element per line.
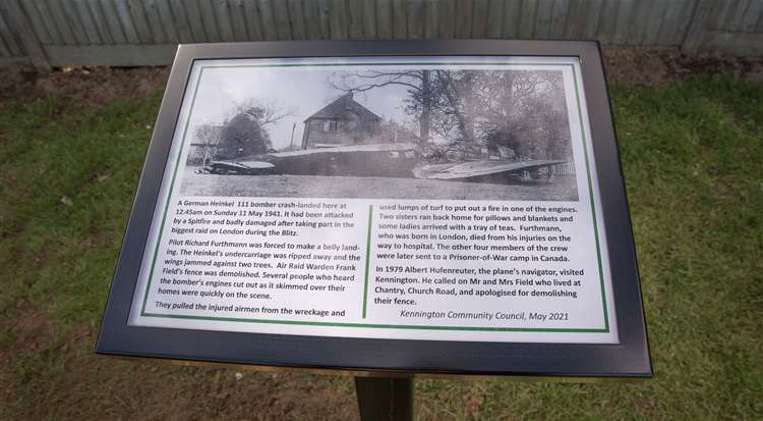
<point>368,258</point>
<point>371,325</point>
<point>593,209</point>
<point>368,240</point>
<point>172,189</point>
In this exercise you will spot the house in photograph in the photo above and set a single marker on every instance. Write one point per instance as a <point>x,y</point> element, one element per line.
<point>341,123</point>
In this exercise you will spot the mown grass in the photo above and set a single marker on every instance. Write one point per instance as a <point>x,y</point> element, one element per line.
<point>68,177</point>
<point>692,155</point>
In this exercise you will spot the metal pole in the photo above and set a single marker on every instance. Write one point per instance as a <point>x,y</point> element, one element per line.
<point>385,398</point>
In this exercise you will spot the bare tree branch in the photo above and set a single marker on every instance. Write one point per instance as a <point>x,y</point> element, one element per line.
<point>264,112</point>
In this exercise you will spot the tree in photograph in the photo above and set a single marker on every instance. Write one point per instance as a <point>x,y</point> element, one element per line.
<point>265,112</point>
<point>207,137</point>
<point>519,113</point>
<point>560,145</point>
<point>525,112</point>
<point>244,134</point>
<point>441,100</point>
<point>506,120</point>
<point>455,103</point>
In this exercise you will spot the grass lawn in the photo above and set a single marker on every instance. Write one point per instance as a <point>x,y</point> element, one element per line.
<point>692,153</point>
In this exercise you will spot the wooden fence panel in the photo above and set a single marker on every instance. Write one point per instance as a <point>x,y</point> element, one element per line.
<point>591,26</point>
<point>38,25</point>
<point>415,19</point>
<point>369,20</point>
<point>158,32</point>
<point>384,29</point>
<point>193,16</point>
<point>100,21</point>
<point>559,16</point>
<point>235,11</point>
<point>639,22</point>
<point>431,13</point>
<point>296,13</point>
<point>182,25</point>
<point>654,23</point>
<point>125,18</point>
<point>316,20</point>
<point>607,22</point>
<point>83,14</point>
<point>72,19</point>
<point>399,19</point>
<point>752,16</point>
<point>253,21</point>
<point>576,17</point>
<point>510,21</point>
<point>39,8</point>
<point>696,32</point>
<point>496,10</point>
<point>59,19</point>
<point>682,23</point>
<point>20,43</point>
<point>209,21</point>
<point>8,47</point>
<point>282,20</point>
<point>222,19</point>
<point>446,19</point>
<point>167,21</point>
<point>338,17</point>
<point>139,21</point>
<point>717,14</point>
<point>463,18</point>
<point>355,19</point>
<point>479,18</point>
<point>542,28</point>
<point>622,22</point>
<point>734,14</point>
<point>268,19</point>
<point>527,19</point>
<point>128,25</point>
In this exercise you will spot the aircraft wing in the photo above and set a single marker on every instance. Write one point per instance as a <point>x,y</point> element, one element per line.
<point>255,165</point>
<point>463,170</point>
<point>238,166</point>
<point>375,147</point>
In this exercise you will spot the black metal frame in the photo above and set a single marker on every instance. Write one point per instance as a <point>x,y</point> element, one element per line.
<point>629,358</point>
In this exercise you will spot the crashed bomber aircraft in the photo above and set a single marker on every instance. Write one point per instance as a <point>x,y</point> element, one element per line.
<point>335,143</point>
<point>373,160</point>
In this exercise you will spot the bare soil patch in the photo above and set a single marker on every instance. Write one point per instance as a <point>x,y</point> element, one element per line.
<point>81,85</point>
<point>99,85</point>
<point>48,375</point>
<point>31,331</point>
<point>82,385</point>
<point>656,67</point>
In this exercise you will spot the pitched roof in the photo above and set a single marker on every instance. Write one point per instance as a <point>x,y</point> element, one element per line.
<point>342,105</point>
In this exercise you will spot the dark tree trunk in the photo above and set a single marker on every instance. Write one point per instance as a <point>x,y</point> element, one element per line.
<point>426,105</point>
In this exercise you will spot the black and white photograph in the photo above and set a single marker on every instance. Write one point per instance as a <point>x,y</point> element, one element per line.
<point>385,129</point>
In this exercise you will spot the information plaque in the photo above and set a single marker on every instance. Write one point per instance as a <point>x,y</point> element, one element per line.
<point>420,207</point>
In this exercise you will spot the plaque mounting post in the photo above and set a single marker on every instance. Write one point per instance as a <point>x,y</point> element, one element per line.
<point>385,398</point>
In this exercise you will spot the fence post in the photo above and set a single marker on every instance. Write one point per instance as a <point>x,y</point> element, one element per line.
<point>23,28</point>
